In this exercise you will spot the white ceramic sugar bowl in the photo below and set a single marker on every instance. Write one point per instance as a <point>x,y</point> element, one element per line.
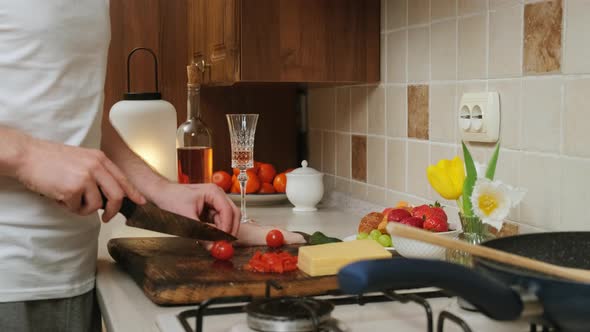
<point>305,188</point>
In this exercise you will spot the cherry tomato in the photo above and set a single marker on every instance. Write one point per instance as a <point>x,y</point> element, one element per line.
<point>275,238</point>
<point>222,250</point>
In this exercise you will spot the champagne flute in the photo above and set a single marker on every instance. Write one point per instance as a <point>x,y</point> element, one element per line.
<point>242,128</point>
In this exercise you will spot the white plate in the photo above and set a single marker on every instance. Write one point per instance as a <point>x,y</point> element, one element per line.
<point>353,237</point>
<point>259,199</point>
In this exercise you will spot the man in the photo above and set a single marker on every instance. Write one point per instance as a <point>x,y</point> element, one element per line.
<point>53,57</point>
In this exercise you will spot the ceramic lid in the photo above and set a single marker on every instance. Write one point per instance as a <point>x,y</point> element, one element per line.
<point>304,170</point>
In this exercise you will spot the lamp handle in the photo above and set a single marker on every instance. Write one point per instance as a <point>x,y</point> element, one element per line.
<point>129,62</point>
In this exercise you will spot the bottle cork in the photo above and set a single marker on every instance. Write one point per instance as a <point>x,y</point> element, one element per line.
<point>193,73</point>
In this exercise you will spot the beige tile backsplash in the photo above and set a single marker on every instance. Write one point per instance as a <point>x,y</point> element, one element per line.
<point>376,152</point>
<point>577,60</point>
<point>376,111</point>
<point>397,45</point>
<point>443,99</point>
<point>343,155</point>
<point>343,109</point>
<point>418,54</point>
<point>358,109</point>
<point>576,126</point>
<point>396,13</point>
<point>375,141</point>
<point>443,50</point>
<point>418,12</point>
<point>575,194</point>
<point>441,9</point>
<point>418,161</point>
<point>510,103</point>
<point>467,7</point>
<point>541,127</point>
<point>396,111</point>
<point>472,47</point>
<point>396,164</point>
<point>505,50</point>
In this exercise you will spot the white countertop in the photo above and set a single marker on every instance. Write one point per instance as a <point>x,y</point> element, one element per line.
<point>124,306</point>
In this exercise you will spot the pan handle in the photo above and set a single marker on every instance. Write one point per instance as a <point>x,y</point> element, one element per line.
<point>490,296</point>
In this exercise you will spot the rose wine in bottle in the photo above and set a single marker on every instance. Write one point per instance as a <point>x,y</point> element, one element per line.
<point>193,140</point>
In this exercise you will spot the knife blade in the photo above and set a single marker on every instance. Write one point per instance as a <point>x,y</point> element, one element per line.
<point>151,217</point>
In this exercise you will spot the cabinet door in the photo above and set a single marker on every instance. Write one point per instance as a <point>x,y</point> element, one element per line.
<point>197,30</point>
<point>222,41</point>
<point>310,41</point>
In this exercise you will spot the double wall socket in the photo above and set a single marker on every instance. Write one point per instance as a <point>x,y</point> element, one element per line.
<point>479,117</point>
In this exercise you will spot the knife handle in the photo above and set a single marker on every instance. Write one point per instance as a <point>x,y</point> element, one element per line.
<point>127,206</point>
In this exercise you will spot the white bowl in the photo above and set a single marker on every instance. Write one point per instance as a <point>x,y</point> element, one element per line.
<point>417,249</point>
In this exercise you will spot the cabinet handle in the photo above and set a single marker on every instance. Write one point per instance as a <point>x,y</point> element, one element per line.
<point>202,65</point>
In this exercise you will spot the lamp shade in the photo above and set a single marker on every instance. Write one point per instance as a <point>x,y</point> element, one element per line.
<point>148,125</point>
<point>149,129</point>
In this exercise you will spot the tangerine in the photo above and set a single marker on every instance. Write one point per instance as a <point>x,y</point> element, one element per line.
<point>235,187</point>
<point>280,183</point>
<point>254,169</point>
<point>253,183</point>
<point>222,179</point>
<point>266,172</point>
<point>266,188</point>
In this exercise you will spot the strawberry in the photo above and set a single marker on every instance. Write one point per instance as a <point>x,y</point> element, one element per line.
<point>397,215</point>
<point>386,210</point>
<point>435,225</point>
<point>420,211</point>
<point>435,218</point>
<point>413,221</point>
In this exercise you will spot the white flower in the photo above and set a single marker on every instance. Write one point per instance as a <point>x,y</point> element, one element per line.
<point>492,200</point>
<point>480,169</point>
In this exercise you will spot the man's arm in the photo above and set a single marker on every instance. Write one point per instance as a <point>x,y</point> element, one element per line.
<point>199,201</point>
<point>12,154</point>
<point>136,169</point>
<point>70,175</point>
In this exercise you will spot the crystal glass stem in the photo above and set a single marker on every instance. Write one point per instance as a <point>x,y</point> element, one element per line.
<point>243,178</point>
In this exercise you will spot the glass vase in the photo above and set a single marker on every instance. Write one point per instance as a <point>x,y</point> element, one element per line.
<point>474,232</point>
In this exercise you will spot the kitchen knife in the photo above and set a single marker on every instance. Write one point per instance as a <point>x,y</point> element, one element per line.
<point>151,217</point>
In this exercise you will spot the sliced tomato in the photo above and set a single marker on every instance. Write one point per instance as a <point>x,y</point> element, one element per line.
<point>275,262</point>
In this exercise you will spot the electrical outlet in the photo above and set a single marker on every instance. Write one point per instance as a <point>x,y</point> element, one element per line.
<point>479,117</point>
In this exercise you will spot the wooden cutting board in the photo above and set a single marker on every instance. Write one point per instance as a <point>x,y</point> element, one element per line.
<point>174,271</point>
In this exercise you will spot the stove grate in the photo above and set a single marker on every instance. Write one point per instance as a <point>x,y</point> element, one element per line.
<point>237,304</point>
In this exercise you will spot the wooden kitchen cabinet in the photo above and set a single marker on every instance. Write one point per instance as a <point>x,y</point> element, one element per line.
<point>303,41</point>
<point>162,26</point>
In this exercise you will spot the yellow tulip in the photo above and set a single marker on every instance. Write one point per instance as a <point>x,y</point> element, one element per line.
<point>447,177</point>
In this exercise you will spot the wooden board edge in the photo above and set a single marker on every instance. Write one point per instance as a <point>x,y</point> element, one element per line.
<point>188,294</point>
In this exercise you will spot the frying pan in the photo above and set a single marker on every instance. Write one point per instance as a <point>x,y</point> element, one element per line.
<point>497,290</point>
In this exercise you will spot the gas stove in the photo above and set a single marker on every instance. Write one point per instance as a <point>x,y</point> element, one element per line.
<point>413,310</point>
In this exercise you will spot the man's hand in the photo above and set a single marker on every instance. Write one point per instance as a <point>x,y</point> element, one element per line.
<point>205,202</point>
<point>74,176</point>
<point>254,234</point>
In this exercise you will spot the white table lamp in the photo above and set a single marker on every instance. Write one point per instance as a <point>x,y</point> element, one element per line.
<point>148,125</point>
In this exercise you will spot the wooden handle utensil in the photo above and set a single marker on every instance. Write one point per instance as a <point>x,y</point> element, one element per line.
<point>408,232</point>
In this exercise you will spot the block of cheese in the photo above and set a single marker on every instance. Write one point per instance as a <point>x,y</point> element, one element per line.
<point>327,259</point>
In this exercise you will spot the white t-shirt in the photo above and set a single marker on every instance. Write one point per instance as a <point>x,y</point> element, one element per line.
<point>53,56</point>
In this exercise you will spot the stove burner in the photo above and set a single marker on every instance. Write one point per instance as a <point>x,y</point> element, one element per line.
<point>288,314</point>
